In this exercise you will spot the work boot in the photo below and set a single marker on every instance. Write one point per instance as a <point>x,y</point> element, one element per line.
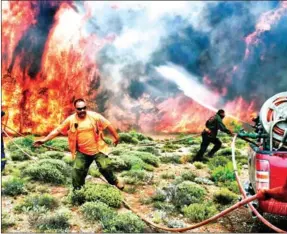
<point>120,184</point>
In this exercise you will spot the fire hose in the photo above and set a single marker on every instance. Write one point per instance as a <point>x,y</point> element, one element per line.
<point>260,217</point>
<point>243,202</point>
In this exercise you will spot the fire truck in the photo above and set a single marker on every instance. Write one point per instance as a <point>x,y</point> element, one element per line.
<point>267,156</point>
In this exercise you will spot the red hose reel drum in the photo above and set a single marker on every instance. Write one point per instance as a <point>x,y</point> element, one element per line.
<point>273,110</point>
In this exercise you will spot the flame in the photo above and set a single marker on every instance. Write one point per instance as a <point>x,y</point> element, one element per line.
<point>67,68</point>
<point>37,102</point>
<point>264,24</point>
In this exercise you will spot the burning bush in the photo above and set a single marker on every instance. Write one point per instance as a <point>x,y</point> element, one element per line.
<point>14,186</point>
<point>49,170</point>
<point>224,196</point>
<point>97,211</point>
<point>199,212</point>
<point>19,155</point>
<point>126,223</point>
<point>187,193</point>
<point>34,202</point>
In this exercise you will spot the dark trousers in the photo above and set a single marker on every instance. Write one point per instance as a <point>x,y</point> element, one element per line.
<point>82,164</point>
<point>206,140</point>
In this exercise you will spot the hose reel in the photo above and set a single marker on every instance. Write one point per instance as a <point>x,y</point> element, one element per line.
<point>273,117</point>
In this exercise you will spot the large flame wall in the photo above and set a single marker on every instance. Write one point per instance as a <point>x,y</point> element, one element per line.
<point>49,58</point>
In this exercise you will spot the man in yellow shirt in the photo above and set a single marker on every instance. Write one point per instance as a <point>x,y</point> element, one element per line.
<point>86,142</point>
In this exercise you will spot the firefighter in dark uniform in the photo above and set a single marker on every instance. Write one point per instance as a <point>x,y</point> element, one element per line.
<point>209,134</point>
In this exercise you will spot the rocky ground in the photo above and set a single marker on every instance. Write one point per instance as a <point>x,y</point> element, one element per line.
<point>170,166</point>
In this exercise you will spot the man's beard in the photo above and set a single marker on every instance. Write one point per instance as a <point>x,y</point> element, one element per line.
<point>82,115</point>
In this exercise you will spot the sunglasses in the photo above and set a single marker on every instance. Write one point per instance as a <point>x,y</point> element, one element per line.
<point>81,108</point>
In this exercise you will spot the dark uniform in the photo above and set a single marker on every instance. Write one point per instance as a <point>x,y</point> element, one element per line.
<point>209,136</point>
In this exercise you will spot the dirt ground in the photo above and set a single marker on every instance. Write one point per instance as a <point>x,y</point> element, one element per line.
<point>239,221</point>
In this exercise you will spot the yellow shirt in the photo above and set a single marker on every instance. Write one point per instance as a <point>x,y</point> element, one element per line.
<point>88,140</point>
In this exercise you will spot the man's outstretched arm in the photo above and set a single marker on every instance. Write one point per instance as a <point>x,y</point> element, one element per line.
<point>50,136</point>
<point>114,133</point>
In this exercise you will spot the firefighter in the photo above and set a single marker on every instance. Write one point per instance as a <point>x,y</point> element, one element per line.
<point>86,143</point>
<point>213,124</point>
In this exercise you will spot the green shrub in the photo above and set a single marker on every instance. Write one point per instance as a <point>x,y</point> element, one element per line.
<point>108,141</point>
<point>97,211</point>
<point>242,160</point>
<point>199,212</point>
<point>14,186</point>
<point>76,197</point>
<point>130,189</point>
<point>6,221</point>
<point>93,171</point>
<point>146,157</point>
<point>118,164</point>
<point>222,174</point>
<point>232,186</point>
<point>188,175</point>
<point>58,222</point>
<point>126,223</point>
<point>159,195</point>
<point>18,155</point>
<point>199,165</point>
<point>224,196</point>
<point>149,149</point>
<point>104,193</point>
<point>170,159</point>
<point>23,142</point>
<point>168,176</point>
<point>170,147</point>
<point>49,170</point>
<point>127,138</point>
<point>68,160</point>
<point>33,202</point>
<point>134,162</point>
<point>139,136</point>
<point>217,161</point>
<point>59,143</point>
<point>165,206</point>
<point>187,193</point>
<point>52,155</point>
<point>136,176</point>
<point>227,152</point>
